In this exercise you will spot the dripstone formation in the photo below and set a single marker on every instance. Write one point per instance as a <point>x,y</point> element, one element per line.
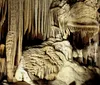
<point>52,42</point>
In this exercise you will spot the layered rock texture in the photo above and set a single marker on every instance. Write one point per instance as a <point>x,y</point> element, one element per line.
<point>53,64</point>
<point>50,42</point>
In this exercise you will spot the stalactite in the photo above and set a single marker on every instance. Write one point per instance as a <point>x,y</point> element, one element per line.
<point>48,19</point>
<point>30,21</point>
<point>32,18</point>
<point>44,24</point>
<point>26,15</point>
<point>20,30</point>
<point>39,15</point>
<point>42,19</point>
<point>36,16</point>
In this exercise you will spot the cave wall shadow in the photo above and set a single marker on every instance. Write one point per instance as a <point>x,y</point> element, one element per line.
<point>93,81</point>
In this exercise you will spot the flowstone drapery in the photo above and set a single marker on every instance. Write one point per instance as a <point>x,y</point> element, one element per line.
<point>44,61</point>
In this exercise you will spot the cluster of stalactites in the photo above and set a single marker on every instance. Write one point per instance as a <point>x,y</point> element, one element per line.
<point>36,18</point>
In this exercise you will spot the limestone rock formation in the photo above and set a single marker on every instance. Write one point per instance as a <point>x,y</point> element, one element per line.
<point>74,74</point>
<point>55,23</point>
<point>53,61</point>
<point>71,74</point>
<point>45,62</point>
